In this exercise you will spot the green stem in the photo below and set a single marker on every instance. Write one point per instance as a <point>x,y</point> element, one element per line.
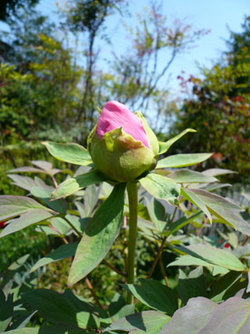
<point>133,203</point>
<point>73,227</point>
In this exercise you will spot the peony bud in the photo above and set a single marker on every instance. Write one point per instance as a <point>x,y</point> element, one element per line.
<point>122,145</point>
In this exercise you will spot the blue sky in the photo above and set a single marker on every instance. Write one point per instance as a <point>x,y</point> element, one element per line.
<point>214,15</point>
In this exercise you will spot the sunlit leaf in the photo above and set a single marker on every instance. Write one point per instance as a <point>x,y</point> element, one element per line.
<point>44,192</point>
<point>190,176</point>
<point>217,171</point>
<point>12,206</point>
<point>72,185</point>
<point>191,318</point>
<point>231,316</point>
<point>161,187</point>
<point>99,235</point>
<point>225,209</point>
<point>213,256</point>
<point>149,322</point>
<point>58,254</point>
<point>27,219</point>
<point>72,153</point>
<point>164,146</point>
<point>195,199</point>
<point>23,182</point>
<point>183,160</point>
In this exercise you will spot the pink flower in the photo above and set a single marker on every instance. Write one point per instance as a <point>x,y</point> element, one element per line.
<point>116,115</point>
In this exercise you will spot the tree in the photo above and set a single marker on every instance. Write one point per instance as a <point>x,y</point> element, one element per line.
<point>38,92</point>
<point>9,13</point>
<point>87,16</point>
<point>218,109</point>
<point>9,8</point>
<point>139,76</point>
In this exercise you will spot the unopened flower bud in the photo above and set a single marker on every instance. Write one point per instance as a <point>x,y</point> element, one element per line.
<point>122,145</point>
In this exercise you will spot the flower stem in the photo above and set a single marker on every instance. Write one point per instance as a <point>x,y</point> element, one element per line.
<point>133,203</point>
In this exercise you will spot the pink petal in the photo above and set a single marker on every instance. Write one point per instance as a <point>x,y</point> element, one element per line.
<point>116,115</point>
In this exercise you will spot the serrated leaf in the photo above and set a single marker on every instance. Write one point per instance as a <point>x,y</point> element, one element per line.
<point>155,295</point>
<point>12,206</point>
<point>164,147</point>
<point>190,176</point>
<point>183,160</point>
<point>72,185</point>
<point>161,187</point>
<point>99,235</point>
<point>58,254</point>
<point>72,153</point>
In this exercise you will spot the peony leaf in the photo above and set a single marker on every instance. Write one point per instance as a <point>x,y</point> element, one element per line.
<point>145,322</point>
<point>12,206</point>
<point>190,176</point>
<point>155,295</point>
<point>183,160</point>
<point>161,187</point>
<point>72,185</point>
<point>59,253</point>
<point>164,146</point>
<point>99,235</point>
<point>72,153</point>
<point>26,219</point>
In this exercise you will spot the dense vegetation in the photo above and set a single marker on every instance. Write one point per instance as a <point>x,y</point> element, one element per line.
<point>50,90</point>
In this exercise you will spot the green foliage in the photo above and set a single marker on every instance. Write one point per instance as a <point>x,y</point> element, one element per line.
<point>9,8</point>
<point>214,262</point>
<point>75,231</point>
<point>218,110</point>
<point>30,101</point>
